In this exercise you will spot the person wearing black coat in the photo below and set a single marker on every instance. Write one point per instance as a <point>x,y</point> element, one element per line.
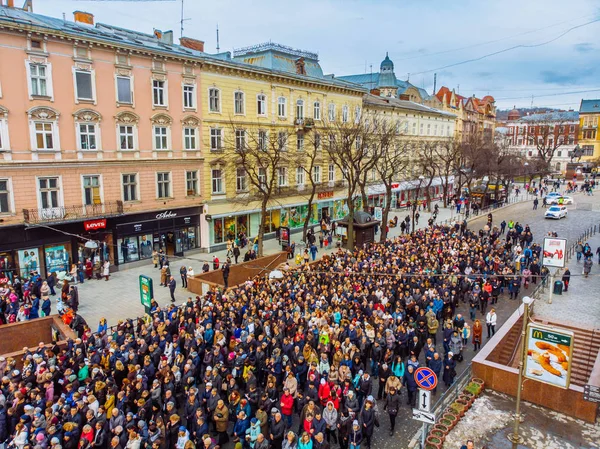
<point>392,405</point>
<point>277,428</point>
<point>411,385</point>
<point>436,366</point>
<point>100,437</point>
<point>449,369</point>
<point>3,425</point>
<point>344,426</point>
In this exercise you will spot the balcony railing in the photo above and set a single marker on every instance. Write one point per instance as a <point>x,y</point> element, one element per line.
<point>304,123</point>
<point>72,213</point>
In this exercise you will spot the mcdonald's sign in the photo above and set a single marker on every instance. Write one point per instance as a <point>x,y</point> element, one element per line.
<point>549,354</point>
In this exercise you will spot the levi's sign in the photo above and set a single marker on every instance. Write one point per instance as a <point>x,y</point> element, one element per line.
<point>166,214</point>
<point>92,225</point>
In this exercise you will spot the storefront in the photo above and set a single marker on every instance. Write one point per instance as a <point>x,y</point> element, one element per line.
<point>222,227</point>
<point>174,231</point>
<point>405,191</point>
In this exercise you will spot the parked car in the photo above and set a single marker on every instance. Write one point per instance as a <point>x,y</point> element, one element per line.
<point>556,212</point>
<point>557,199</point>
<point>553,195</point>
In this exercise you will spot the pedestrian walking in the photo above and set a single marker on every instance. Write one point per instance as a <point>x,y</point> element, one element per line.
<point>566,278</point>
<point>587,266</point>
<point>392,405</point>
<point>106,270</point>
<point>225,270</point>
<point>535,203</point>
<point>236,253</point>
<point>449,369</point>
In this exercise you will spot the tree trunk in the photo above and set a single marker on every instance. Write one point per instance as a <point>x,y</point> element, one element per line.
<point>309,214</point>
<point>386,213</point>
<point>350,236</point>
<point>261,228</point>
<point>428,194</point>
<point>365,199</point>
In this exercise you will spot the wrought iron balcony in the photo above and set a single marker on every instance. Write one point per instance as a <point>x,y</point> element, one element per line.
<point>65,214</point>
<point>304,123</point>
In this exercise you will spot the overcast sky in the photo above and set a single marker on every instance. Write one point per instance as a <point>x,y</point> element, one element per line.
<point>421,36</point>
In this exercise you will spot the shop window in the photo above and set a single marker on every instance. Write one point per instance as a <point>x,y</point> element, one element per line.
<point>57,258</point>
<point>217,228</point>
<point>6,266</point>
<point>145,246</point>
<point>29,261</point>
<point>91,190</point>
<point>128,250</point>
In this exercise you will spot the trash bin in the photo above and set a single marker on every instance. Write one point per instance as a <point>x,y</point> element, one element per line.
<point>558,288</point>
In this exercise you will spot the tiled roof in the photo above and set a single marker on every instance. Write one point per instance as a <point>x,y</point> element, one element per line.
<point>590,106</point>
<point>558,116</point>
<point>130,38</point>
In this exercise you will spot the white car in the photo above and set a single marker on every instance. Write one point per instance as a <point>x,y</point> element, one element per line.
<point>556,212</point>
<point>556,199</point>
<point>553,195</point>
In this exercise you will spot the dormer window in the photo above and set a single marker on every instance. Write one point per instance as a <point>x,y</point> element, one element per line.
<point>300,66</point>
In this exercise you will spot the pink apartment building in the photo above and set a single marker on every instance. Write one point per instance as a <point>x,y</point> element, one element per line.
<point>99,143</point>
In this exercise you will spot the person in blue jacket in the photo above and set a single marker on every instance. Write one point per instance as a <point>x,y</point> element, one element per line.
<point>436,366</point>
<point>411,385</point>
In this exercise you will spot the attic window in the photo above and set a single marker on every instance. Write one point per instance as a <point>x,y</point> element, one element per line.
<point>300,66</point>
<point>36,44</point>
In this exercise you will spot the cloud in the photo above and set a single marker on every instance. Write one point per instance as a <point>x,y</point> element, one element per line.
<point>584,47</point>
<point>566,78</point>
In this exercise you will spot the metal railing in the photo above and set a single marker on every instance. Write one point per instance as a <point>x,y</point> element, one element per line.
<point>69,213</point>
<point>450,395</point>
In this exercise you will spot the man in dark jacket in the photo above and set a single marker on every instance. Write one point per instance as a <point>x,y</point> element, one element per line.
<point>100,437</point>
<point>411,385</point>
<point>436,366</point>
<point>172,286</point>
<point>225,270</point>
<point>277,430</point>
<point>392,405</point>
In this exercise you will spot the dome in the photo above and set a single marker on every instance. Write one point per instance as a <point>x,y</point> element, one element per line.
<point>386,64</point>
<point>514,114</point>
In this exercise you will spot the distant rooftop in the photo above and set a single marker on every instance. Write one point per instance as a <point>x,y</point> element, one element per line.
<point>556,116</point>
<point>590,106</point>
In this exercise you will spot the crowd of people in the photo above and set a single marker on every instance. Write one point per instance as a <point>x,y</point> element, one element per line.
<point>320,357</point>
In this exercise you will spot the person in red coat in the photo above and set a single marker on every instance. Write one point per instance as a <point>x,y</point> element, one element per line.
<point>324,392</point>
<point>287,406</point>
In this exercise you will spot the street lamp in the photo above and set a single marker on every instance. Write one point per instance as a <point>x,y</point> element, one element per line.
<point>514,437</point>
<point>421,178</point>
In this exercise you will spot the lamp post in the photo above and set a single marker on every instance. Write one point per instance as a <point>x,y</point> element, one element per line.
<point>514,437</point>
<point>421,178</point>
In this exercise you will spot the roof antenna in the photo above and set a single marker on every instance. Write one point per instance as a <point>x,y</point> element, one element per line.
<point>218,48</point>
<point>408,78</point>
<point>64,18</point>
<point>434,82</point>
<point>182,19</point>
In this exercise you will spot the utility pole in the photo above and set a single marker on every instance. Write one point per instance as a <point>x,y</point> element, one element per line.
<point>218,48</point>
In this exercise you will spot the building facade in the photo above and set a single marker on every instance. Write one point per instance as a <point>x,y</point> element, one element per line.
<point>589,133</point>
<point>555,130</point>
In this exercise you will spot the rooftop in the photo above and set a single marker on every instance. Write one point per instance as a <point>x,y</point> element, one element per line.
<point>557,116</point>
<point>590,106</point>
<point>375,100</point>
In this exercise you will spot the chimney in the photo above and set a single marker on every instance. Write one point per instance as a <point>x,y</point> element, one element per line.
<point>376,92</point>
<point>190,43</point>
<point>83,17</point>
<point>167,37</point>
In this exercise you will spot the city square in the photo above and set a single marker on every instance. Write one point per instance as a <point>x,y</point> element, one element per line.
<point>209,239</point>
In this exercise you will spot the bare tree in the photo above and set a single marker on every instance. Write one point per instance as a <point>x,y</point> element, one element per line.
<point>426,155</point>
<point>447,157</point>
<point>307,159</point>
<point>348,151</point>
<point>394,159</point>
<point>544,137</point>
<point>263,156</point>
<point>473,160</point>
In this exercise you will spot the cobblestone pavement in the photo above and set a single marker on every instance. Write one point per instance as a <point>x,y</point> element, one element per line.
<point>490,420</point>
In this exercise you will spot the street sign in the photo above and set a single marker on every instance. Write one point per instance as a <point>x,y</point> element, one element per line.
<point>146,291</point>
<point>591,393</point>
<point>549,354</point>
<point>427,418</point>
<point>426,378</point>
<point>424,399</point>
<point>554,252</point>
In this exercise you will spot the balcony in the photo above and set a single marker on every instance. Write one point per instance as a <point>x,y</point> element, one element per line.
<point>72,213</point>
<point>304,123</point>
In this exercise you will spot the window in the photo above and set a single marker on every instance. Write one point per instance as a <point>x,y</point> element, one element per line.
<point>300,176</point>
<point>572,128</point>
<point>300,141</point>
<point>429,129</point>
<point>4,196</point>
<point>414,128</point>
<point>281,176</point>
<point>345,114</point>
<point>49,192</point>
<point>130,187</point>
<point>161,140</point>
<point>191,183</point>
<point>39,80</point>
<point>238,103</point>
<point>317,174</point>
<point>282,140</point>
<point>240,180</point>
<point>435,129</point>
<point>240,139</point>
<point>91,190</point>
<point>214,100</point>
<point>83,86</point>
<point>216,139</point>
<point>331,173</point>
<point>262,140</point>
<point>189,138</point>
<point>421,128</point>
<point>262,177</point>
<point>217,181</point>
<point>300,109</point>
<point>163,184</point>
<point>448,130</point>
<point>571,140</point>
<point>124,91</point>
<point>332,141</point>
<point>261,104</point>
<point>158,93</point>
<point>317,141</point>
<point>357,114</point>
<point>317,110</point>
<point>281,105</point>
<point>558,153</point>
<point>126,137</point>
<point>331,112</point>
<point>44,135</point>
<point>87,136</point>
<point>189,97</point>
